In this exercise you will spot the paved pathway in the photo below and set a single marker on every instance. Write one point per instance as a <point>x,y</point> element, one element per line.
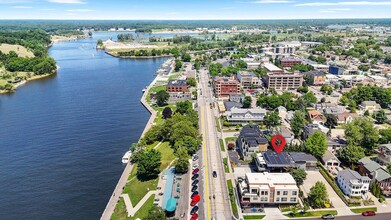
<point>129,207</point>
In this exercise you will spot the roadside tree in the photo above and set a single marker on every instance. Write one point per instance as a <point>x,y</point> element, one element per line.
<point>297,122</point>
<point>316,144</point>
<point>318,196</point>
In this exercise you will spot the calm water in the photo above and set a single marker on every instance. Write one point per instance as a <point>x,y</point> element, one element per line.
<point>62,138</point>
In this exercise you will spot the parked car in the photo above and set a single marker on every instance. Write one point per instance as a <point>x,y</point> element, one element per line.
<point>328,216</point>
<point>195,171</point>
<point>214,174</point>
<point>368,213</point>
<point>194,210</point>
<point>195,158</point>
<point>195,182</point>
<point>194,216</point>
<point>195,200</point>
<point>156,200</point>
<point>195,176</point>
<point>194,188</point>
<point>194,194</point>
<point>195,166</point>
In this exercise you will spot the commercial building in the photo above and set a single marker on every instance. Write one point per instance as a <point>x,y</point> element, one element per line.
<point>316,77</point>
<point>270,161</point>
<point>251,140</point>
<point>352,183</point>
<point>178,97</point>
<point>336,70</point>
<point>271,68</point>
<point>258,189</point>
<point>283,81</point>
<point>290,61</point>
<point>177,86</point>
<point>224,86</point>
<point>245,115</point>
<point>248,80</point>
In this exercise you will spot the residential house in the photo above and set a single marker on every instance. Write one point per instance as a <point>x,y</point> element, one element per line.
<point>309,129</point>
<point>330,160</point>
<point>370,106</point>
<point>243,115</point>
<point>229,105</point>
<point>316,116</point>
<point>346,117</point>
<point>384,153</point>
<point>286,133</point>
<point>335,144</point>
<point>304,161</point>
<point>258,189</point>
<point>352,183</point>
<point>377,173</point>
<point>333,110</point>
<point>238,98</point>
<point>177,86</point>
<point>251,140</point>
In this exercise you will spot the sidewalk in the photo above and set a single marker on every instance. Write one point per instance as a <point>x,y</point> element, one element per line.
<point>129,207</point>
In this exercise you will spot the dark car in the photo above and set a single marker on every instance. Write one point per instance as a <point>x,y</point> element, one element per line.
<point>214,174</point>
<point>328,216</point>
<point>194,194</point>
<point>195,176</point>
<point>368,213</point>
<point>194,210</point>
<point>195,171</point>
<point>195,182</point>
<point>194,188</point>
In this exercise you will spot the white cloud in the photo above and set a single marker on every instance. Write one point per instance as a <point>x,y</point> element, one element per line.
<point>272,1</point>
<point>344,3</point>
<point>80,10</point>
<point>68,1</point>
<point>21,7</point>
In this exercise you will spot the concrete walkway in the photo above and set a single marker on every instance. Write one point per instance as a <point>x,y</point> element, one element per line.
<point>129,207</point>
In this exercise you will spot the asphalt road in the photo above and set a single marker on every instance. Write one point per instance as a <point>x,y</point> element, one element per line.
<point>216,194</point>
<point>381,216</point>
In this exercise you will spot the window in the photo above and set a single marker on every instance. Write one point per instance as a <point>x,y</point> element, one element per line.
<point>277,199</point>
<point>284,199</point>
<point>254,191</point>
<point>278,193</point>
<point>294,193</point>
<point>262,193</point>
<point>266,193</point>
<point>293,199</point>
<point>285,193</point>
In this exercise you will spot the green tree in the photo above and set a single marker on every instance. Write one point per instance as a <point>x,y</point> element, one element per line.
<point>191,144</point>
<point>387,60</point>
<point>191,82</point>
<point>318,195</point>
<point>326,89</point>
<point>167,112</point>
<point>186,57</point>
<point>99,42</point>
<point>148,163</point>
<point>178,65</point>
<point>389,168</point>
<point>241,64</point>
<point>361,132</point>
<point>385,136</point>
<point>162,97</point>
<point>299,175</point>
<point>303,89</point>
<point>183,107</point>
<point>316,144</point>
<point>351,154</point>
<point>156,213</point>
<point>297,122</point>
<point>331,121</point>
<point>182,163</point>
<point>380,116</point>
<point>247,102</point>
<point>309,98</point>
<point>271,119</point>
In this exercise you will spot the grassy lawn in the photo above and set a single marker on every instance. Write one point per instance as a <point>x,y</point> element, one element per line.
<point>167,154</point>
<point>120,211</point>
<point>18,49</point>
<point>232,198</point>
<point>151,146</point>
<point>121,214</point>
<point>133,173</point>
<point>254,216</point>
<point>361,210</point>
<point>217,124</point>
<point>221,145</point>
<point>154,90</point>
<point>228,139</point>
<point>225,162</point>
<point>142,213</point>
<point>137,189</point>
<point>313,214</point>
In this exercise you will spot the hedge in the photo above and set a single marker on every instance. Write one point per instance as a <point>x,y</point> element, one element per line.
<point>331,181</point>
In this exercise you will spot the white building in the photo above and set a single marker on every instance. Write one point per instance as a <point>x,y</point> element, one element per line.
<point>267,188</point>
<point>242,115</point>
<point>248,79</point>
<point>352,183</point>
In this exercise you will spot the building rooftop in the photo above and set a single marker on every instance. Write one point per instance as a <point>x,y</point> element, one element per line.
<point>369,164</point>
<point>248,110</point>
<point>271,67</point>
<point>177,83</point>
<point>287,59</point>
<point>252,135</point>
<point>350,175</point>
<point>277,160</point>
<point>229,105</point>
<point>270,178</point>
<point>381,174</point>
<point>329,156</point>
<point>300,156</point>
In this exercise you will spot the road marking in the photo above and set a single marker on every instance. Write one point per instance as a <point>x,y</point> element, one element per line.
<point>205,162</point>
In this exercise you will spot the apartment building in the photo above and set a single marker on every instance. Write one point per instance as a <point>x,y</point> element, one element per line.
<point>271,68</point>
<point>258,189</point>
<point>177,86</point>
<point>248,80</point>
<point>290,61</point>
<point>283,81</point>
<point>352,183</point>
<point>224,86</point>
<point>251,140</point>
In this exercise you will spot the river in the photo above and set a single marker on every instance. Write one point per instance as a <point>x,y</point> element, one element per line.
<point>62,138</point>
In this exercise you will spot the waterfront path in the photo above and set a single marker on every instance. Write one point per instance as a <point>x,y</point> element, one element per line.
<point>129,207</point>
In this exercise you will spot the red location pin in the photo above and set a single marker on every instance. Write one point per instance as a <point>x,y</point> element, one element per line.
<point>278,147</point>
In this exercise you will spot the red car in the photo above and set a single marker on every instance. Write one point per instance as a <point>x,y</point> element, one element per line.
<point>195,200</point>
<point>368,213</point>
<point>194,216</point>
<point>195,171</point>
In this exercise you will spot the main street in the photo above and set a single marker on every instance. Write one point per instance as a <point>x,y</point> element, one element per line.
<point>216,198</point>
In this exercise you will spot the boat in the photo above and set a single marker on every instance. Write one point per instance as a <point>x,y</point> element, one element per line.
<point>126,157</point>
<point>145,89</point>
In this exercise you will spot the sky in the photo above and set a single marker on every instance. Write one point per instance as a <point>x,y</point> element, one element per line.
<point>192,9</point>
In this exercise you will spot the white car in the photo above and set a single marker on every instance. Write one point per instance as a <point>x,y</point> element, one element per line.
<point>195,166</point>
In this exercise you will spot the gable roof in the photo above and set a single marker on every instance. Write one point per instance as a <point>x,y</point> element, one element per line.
<point>329,156</point>
<point>252,135</point>
<point>344,115</point>
<point>369,164</point>
<point>349,175</point>
<point>381,174</point>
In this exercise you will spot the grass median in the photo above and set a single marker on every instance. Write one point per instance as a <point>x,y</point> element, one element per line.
<point>361,210</point>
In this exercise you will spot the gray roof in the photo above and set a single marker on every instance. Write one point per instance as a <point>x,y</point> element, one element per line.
<point>273,159</point>
<point>349,175</point>
<point>329,156</point>
<point>230,105</point>
<point>369,164</point>
<point>252,135</point>
<point>177,82</point>
<point>388,146</point>
<point>300,156</point>
<point>381,174</point>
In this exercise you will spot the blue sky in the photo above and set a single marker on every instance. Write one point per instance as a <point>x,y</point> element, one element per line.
<point>193,9</point>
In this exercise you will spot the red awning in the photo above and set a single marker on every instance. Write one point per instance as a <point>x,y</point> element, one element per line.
<point>196,198</point>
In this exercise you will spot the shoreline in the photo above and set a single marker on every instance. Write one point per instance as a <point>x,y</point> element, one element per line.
<point>136,57</point>
<point>117,192</point>
<point>23,82</point>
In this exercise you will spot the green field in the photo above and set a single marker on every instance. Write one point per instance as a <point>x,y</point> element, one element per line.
<point>225,162</point>
<point>312,214</point>
<point>361,210</point>
<point>18,49</point>
<point>121,214</point>
<point>250,217</point>
<point>221,145</point>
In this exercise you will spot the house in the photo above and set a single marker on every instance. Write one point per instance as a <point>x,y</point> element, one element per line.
<point>304,161</point>
<point>242,115</point>
<point>234,97</point>
<point>229,105</point>
<point>258,189</point>
<point>346,117</point>
<point>177,86</point>
<point>370,106</point>
<point>224,86</point>
<point>316,116</point>
<point>384,153</point>
<point>333,110</point>
<point>352,183</point>
<point>286,133</point>
<point>335,70</point>
<point>330,160</point>
<point>248,79</point>
<point>309,129</point>
<point>251,140</point>
<point>335,144</point>
<point>378,174</point>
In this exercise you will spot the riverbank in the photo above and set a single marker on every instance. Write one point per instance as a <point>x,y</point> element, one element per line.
<point>58,38</point>
<point>35,77</point>
<point>135,57</point>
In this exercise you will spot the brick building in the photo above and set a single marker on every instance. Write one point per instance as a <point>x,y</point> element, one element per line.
<point>177,86</point>
<point>224,86</point>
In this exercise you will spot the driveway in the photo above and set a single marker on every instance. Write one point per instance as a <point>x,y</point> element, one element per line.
<point>312,178</point>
